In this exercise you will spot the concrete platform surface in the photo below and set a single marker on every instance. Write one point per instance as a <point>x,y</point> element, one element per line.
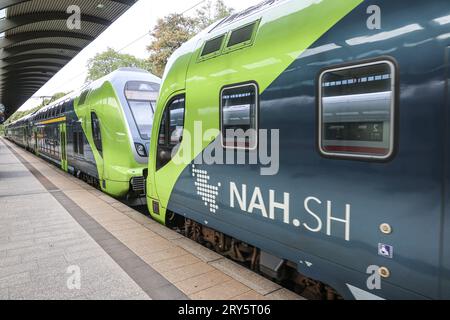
<point>63,239</point>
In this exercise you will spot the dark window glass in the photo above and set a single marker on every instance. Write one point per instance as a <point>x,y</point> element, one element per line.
<point>81,143</point>
<point>162,130</point>
<point>170,131</point>
<point>75,142</point>
<point>241,35</point>
<point>356,110</point>
<point>96,132</point>
<point>212,46</point>
<point>239,116</point>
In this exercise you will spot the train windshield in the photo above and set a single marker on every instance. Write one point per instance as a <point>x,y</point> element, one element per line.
<point>141,98</point>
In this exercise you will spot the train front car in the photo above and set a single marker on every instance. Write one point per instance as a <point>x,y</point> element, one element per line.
<point>347,100</point>
<point>108,133</point>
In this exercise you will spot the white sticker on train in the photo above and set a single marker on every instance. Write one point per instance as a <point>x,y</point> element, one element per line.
<point>255,202</point>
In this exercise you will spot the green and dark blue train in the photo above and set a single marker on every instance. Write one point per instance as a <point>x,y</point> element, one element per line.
<point>357,91</point>
<point>100,134</point>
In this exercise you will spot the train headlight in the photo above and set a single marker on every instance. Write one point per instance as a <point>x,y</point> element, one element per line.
<point>140,149</point>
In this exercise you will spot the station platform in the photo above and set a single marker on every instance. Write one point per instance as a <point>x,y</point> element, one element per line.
<point>63,239</point>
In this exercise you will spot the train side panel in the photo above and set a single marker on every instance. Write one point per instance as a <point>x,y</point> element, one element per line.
<point>445,268</point>
<point>325,213</point>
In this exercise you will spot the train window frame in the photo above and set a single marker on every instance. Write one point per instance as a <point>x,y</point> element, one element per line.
<point>81,143</point>
<point>393,126</point>
<point>257,103</point>
<point>75,142</point>
<point>213,54</point>
<point>96,132</point>
<point>244,44</point>
<point>165,118</point>
<point>153,104</point>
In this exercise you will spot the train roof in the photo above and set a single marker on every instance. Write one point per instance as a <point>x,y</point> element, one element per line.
<point>229,23</point>
<point>124,73</point>
<point>119,74</point>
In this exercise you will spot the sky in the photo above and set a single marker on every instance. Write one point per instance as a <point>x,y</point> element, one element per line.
<point>121,35</point>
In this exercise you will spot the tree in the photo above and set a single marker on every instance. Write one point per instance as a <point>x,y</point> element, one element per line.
<point>212,12</point>
<point>106,62</point>
<point>169,34</point>
<point>55,97</point>
<point>175,29</point>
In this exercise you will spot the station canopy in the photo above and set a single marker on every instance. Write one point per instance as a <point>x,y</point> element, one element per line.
<point>39,37</point>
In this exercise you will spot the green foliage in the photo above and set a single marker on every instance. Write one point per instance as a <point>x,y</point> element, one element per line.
<point>175,29</point>
<point>110,60</point>
<point>212,12</point>
<point>55,97</point>
<point>2,130</point>
<point>169,34</point>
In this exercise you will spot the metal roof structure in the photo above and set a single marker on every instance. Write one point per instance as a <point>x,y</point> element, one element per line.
<point>38,38</point>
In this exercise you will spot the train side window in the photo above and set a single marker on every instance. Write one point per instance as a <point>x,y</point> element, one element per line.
<point>96,132</point>
<point>239,116</point>
<point>242,36</point>
<point>357,110</point>
<point>212,47</point>
<point>170,130</point>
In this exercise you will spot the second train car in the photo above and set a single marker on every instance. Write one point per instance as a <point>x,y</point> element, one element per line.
<point>101,134</point>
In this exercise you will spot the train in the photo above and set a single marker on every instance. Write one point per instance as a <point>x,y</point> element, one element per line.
<point>100,134</point>
<point>309,139</point>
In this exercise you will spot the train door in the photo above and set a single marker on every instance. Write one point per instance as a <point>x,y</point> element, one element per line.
<point>35,138</point>
<point>97,137</point>
<point>63,143</point>
<point>169,138</point>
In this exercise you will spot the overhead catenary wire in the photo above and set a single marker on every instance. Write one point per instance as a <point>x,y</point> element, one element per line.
<point>131,43</point>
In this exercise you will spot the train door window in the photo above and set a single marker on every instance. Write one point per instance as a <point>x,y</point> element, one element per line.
<point>357,110</point>
<point>80,143</point>
<point>75,142</point>
<point>239,116</point>
<point>96,132</point>
<point>170,130</point>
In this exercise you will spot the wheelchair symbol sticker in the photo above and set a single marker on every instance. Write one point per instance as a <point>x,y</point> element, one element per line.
<point>385,250</point>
